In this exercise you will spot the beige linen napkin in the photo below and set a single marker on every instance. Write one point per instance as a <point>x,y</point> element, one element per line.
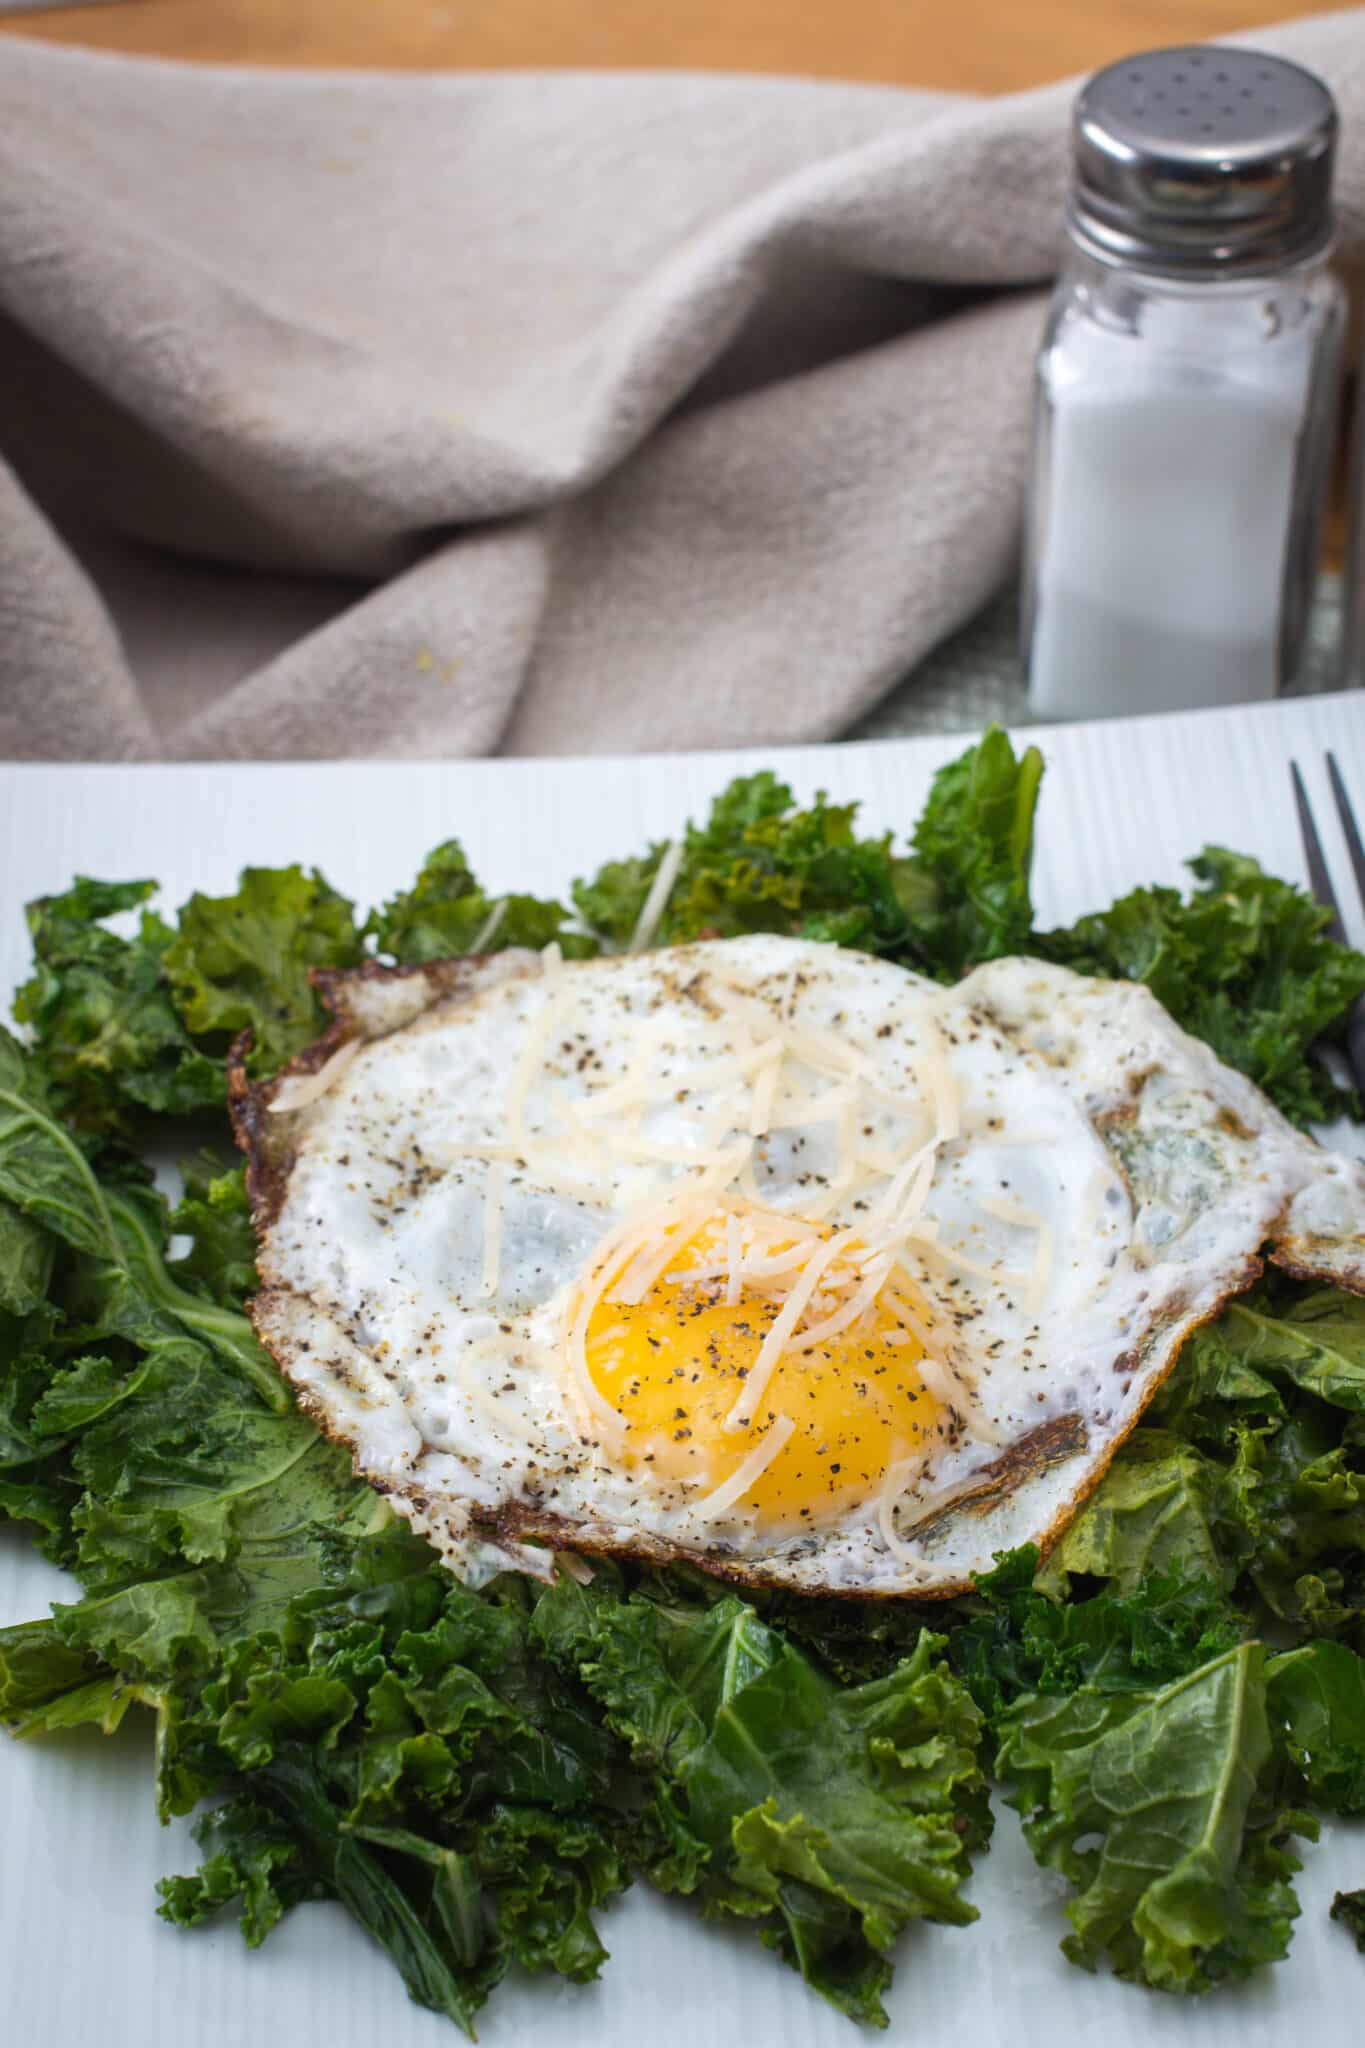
<point>525,413</point>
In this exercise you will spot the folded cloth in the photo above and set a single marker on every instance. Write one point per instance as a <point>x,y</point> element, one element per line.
<point>376,415</point>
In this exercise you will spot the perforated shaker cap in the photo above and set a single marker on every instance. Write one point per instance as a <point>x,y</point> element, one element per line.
<point>1203,161</point>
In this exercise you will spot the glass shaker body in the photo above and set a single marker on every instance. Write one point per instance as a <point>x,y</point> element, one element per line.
<point>1182,448</point>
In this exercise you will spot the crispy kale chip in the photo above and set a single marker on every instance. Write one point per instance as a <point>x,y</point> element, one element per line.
<point>241,962</point>
<point>759,864</point>
<point>446,912</point>
<point>125,1028</point>
<point>1349,1909</point>
<point>829,1817</point>
<point>1242,962</point>
<point>102,1015</point>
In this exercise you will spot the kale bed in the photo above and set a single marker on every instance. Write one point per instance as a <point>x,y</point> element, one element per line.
<point>1170,1703</point>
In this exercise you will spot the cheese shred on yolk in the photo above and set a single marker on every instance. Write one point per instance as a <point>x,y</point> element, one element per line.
<point>833,1416</point>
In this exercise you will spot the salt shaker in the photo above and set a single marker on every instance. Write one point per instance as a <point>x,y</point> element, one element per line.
<point>1186,389</point>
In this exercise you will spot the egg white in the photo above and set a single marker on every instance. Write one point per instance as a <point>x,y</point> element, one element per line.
<point>1110,1186</point>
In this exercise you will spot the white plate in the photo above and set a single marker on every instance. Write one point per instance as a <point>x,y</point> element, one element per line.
<point>84,1959</point>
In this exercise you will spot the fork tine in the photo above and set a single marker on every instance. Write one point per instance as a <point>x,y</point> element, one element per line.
<point>1318,878</point>
<point>1350,829</point>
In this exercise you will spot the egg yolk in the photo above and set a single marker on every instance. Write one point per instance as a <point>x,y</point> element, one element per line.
<point>673,1365</point>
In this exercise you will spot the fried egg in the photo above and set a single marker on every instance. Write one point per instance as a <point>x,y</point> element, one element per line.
<point>759,1252</point>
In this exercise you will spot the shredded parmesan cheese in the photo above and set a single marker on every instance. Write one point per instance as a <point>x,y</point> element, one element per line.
<point>899,1475</point>
<point>775,1343</point>
<point>796,1111</point>
<point>747,1473</point>
<point>530,1060</point>
<point>843,1318</point>
<point>1040,1279</point>
<point>656,1253</point>
<point>734,1258</point>
<point>491,925</point>
<point>495,1189</point>
<point>761,1110</point>
<point>300,1091</point>
<point>656,903</point>
<point>942,1086</point>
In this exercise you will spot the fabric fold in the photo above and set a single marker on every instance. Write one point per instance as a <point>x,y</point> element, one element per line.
<point>388,415</point>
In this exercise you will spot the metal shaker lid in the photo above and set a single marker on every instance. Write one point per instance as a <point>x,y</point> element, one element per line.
<point>1203,162</point>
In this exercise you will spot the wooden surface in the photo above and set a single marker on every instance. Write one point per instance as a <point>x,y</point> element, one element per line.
<point>971,45</point>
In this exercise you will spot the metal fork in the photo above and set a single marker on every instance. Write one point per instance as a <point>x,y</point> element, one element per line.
<point>1320,881</point>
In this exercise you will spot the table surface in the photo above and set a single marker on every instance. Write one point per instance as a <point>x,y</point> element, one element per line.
<point>968,45</point>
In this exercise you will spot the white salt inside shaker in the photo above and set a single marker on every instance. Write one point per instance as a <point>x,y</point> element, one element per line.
<point>1186,390</point>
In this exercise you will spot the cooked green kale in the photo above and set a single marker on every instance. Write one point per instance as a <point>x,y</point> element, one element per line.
<point>1242,962</point>
<point>961,895</point>
<point>1349,1909</point>
<point>446,912</point>
<point>474,1775</point>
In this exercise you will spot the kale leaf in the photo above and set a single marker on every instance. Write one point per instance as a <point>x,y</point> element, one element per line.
<point>104,1022</point>
<point>1017,1639</point>
<point>1317,1699</point>
<point>761,865</point>
<point>966,888</point>
<point>1349,1909</point>
<point>241,962</point>
<point>1248,1469</point>
<point>1242,962</point>
<point>828,1817</point>
<point>446,912</point>
<point>1151,1805</point>
<point>214,1214</point>
<point>402,1746</point>
<point>126,1027</point>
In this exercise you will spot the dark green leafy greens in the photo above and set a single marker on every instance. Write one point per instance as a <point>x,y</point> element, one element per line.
<point>759,864</point>
<point>1249,1467</point>
<point>380,1734</point>
<point>1317,1700</point>
<point>1147,1803</point>
<point>966,886</point>
<point>1349,1909</point>
<point>475,1775</point>
<point>828,1817</point>
<point>1242,962</point>
<point>400,1745</point>
<point>1016,1640</point>
<point>446,912</point>
<point>102,1013</point>
<point>131,1027</point>
<point>241,962</point>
